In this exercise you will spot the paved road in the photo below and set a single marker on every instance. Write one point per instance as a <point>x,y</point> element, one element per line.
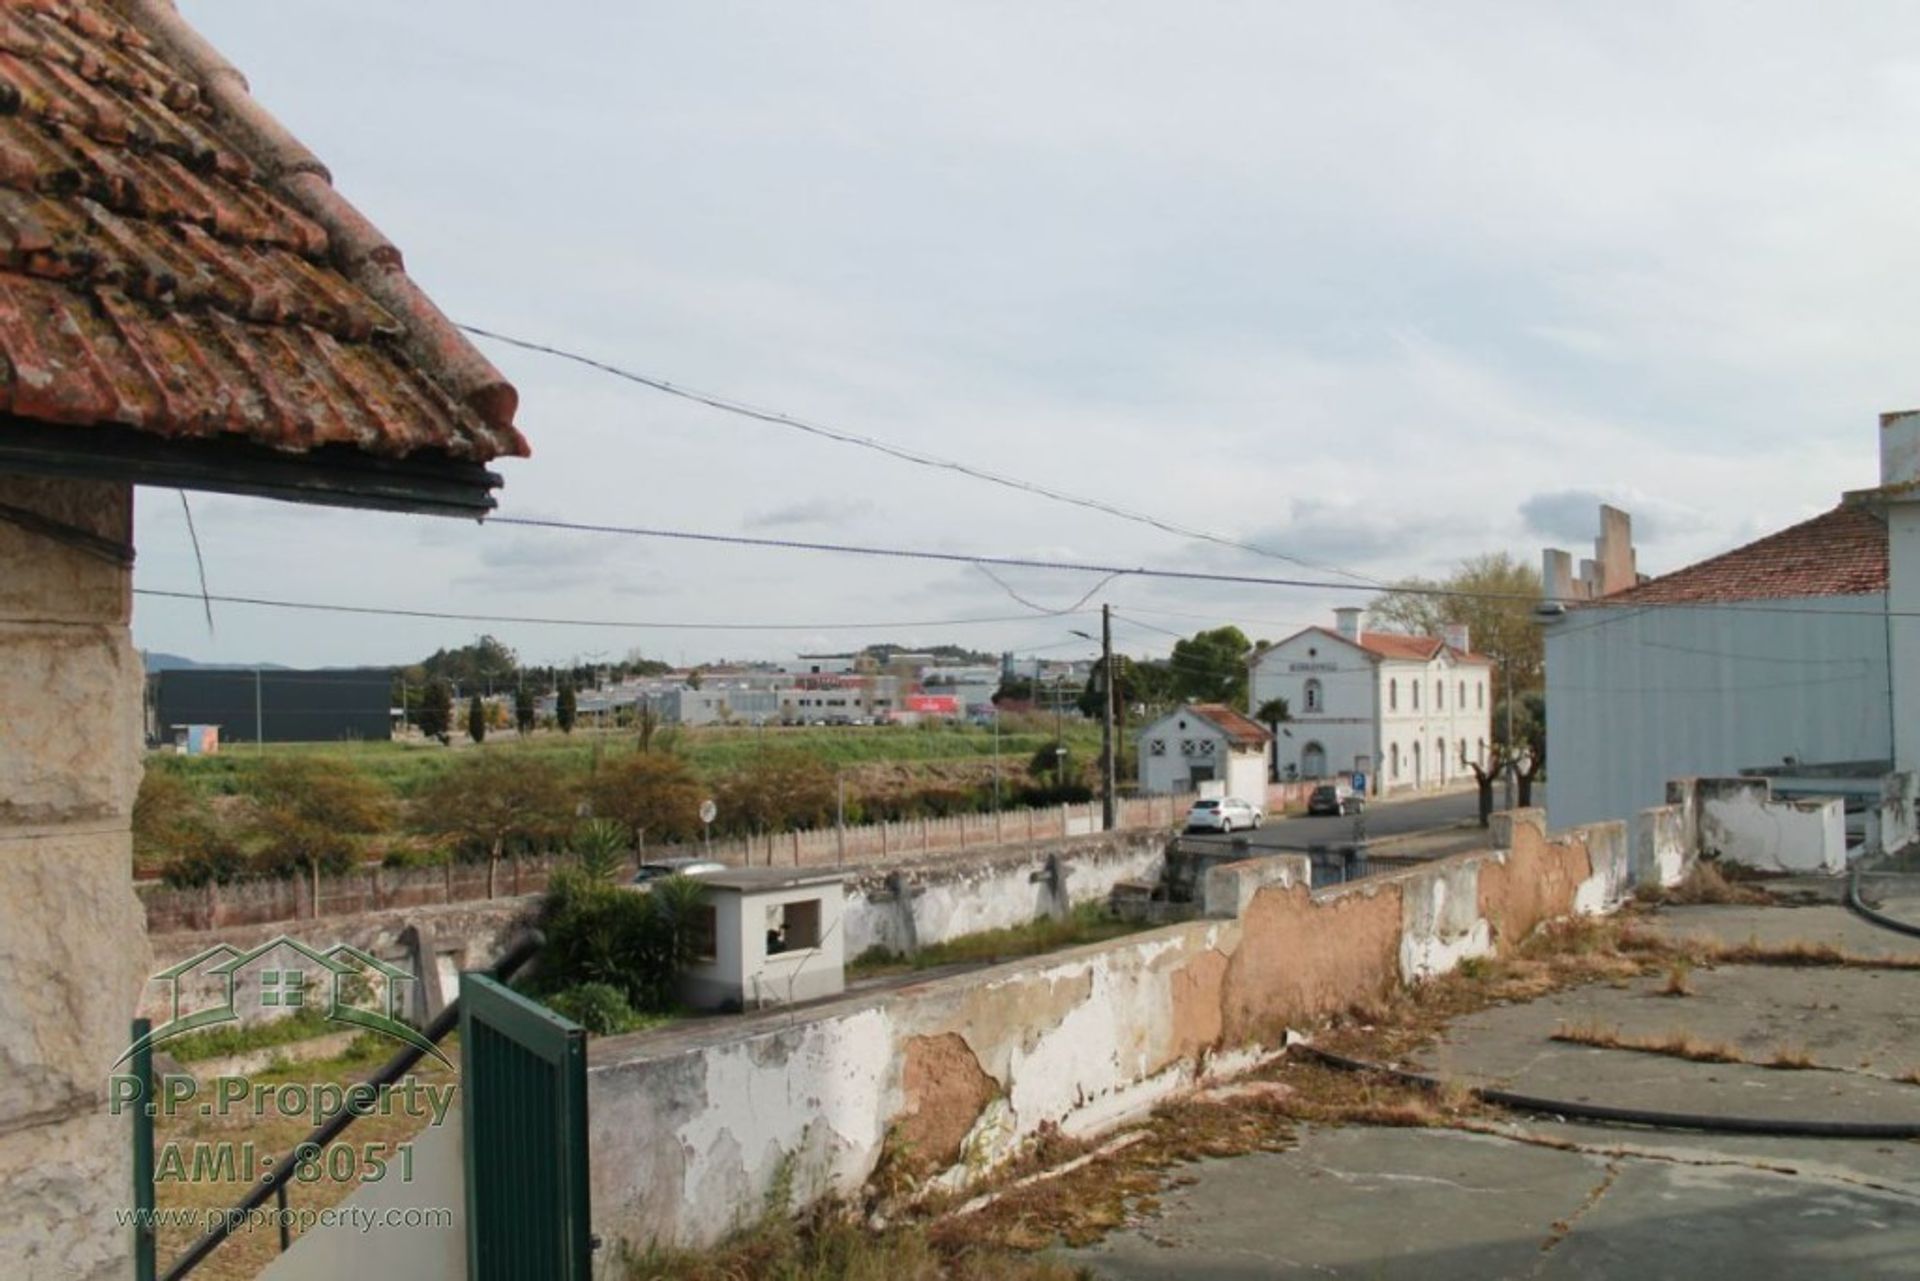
<point>1383,818</point>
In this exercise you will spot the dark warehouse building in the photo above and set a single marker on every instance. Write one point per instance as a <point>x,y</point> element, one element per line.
<point>273,705</point>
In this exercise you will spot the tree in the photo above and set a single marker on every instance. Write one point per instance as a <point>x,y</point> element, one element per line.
<point>1143,685</point>
<point>1273,714</point>
<point>1211,667</point>
<point>491,801</point>
<point>566,706</point>
<point>476,719</point>
<point>1497,610</point>
<point>778,790</point>
<point>647,721</point>
<point>523,710</point>
<point>435,714</point>
<point>484,664</point>
<point>648,793</point>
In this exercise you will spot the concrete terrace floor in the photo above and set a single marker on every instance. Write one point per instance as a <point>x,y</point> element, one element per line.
<point>1535,1198</point>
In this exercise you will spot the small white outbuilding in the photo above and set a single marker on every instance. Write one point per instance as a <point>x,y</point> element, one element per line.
<point>1205,747</point>
<point>772,936</point>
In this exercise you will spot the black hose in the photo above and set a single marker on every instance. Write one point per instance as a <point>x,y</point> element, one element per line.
<point>1798,1129</point>
<point>1870,915</point>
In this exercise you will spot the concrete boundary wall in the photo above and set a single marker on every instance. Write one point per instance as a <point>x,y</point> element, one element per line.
<point>694,1128</point>
<point>1740,820</point>
<point>931,901</point>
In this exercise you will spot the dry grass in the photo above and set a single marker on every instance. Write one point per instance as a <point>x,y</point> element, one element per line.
<point>1706,884</point>
<point>830,1246</point>
<point>1677,1044</point>
<point>1792,1056</point>
<point>1677,978</point>
<point>1797,952</point>
<point>1682,1044</point>
<point>1911,1076</point>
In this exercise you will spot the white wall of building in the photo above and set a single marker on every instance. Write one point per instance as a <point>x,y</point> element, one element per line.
<point>1635,697</point>
<point>1407,724</point>
<point>1190,748</point>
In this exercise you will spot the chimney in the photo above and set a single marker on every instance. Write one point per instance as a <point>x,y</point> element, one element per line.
<point>1899,449</point>
<point>1346,621</point>
<point>1455,635</point>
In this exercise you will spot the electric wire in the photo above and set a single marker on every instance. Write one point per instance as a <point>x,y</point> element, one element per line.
<point>728,404</point>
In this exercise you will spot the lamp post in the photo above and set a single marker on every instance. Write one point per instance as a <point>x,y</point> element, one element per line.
<point>1108,745</point>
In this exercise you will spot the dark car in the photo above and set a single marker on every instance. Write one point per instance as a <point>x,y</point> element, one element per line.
<point>1334,798</point>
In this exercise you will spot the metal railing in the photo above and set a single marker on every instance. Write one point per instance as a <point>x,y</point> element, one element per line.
<point>273,1184</point>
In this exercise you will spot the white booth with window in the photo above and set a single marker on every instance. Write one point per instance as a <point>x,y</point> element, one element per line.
<point>771,936</point>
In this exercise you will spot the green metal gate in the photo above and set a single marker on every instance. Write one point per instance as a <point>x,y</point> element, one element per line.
<point>523,1073</point>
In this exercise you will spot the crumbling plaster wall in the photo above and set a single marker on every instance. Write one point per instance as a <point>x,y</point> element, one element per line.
<point>932,900</point>
<point>694,1130</point>
<point>73,943</point>
<point>1741,821</point>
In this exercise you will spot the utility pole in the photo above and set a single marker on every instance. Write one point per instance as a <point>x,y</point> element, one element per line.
<point>259,721</point>
<point>1108,739</point>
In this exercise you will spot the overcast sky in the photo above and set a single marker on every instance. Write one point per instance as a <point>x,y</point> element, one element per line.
<point>1379,285</point>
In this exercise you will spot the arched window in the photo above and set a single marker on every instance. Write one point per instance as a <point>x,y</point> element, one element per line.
<point>1463,696</point>
<point>1440,758</point>
<point>1416,760</point>
<point>1393,695</point>
<point>1313,696</point>
<point>1393,759</point>
<point>1439,694</point>
<point>1480,696</point>
<point>1313,761</point>
<point>1415,686</point>
<point>1463,753</point>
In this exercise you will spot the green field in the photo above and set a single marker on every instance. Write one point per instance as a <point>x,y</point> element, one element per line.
<point>404,766</point>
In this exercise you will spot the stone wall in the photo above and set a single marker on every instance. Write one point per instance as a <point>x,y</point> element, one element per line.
<point>73,947</point>
<point>692,1129</point>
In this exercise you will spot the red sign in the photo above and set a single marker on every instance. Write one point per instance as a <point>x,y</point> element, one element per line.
<point>934,704</point>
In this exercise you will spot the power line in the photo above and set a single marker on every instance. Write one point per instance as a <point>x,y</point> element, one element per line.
<point>1135,571</point>
<point>458,616</point>
<point>728,404</point>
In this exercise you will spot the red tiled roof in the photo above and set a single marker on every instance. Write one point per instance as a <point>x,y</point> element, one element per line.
<point>1840,553</point>
<point>1418,649</point>
<point>173,261</point>
<point>1241,730</point>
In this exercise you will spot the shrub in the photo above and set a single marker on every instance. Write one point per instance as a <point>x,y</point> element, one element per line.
<point>649,793</point>
<point>601,1008</point>
<point>494,801</point>
<point>166,805</point>
<point>635,941</point>
<point>327,791</point>
<point>600,846</point>
<point>296,844</point>
<point>203,854</point>
<point>776,791</point>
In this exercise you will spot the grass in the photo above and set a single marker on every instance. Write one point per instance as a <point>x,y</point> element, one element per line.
<point>219,1042</point>
<point>1678,978</point>
<point>404,767</point>
<point>831,1247</point>
<point>1705,884</point>
<point>1677,1044</point>
<point>252,1247</point>
<point>1087,923</point>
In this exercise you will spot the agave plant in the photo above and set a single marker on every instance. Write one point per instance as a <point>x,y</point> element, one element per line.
<point>600,845</point>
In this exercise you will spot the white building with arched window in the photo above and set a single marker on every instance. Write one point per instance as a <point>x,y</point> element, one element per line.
<point>1407,711</point>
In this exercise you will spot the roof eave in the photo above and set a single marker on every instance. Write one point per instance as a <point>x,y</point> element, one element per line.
<point>332,475</point>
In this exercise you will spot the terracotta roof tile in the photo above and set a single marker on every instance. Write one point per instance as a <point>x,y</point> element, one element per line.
<point>1842,552</point>
<point>1240,729</point>
<point>171,260</point>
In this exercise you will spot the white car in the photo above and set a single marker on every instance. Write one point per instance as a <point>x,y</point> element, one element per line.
<point>663,868</point>
<point>1230,814</point>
